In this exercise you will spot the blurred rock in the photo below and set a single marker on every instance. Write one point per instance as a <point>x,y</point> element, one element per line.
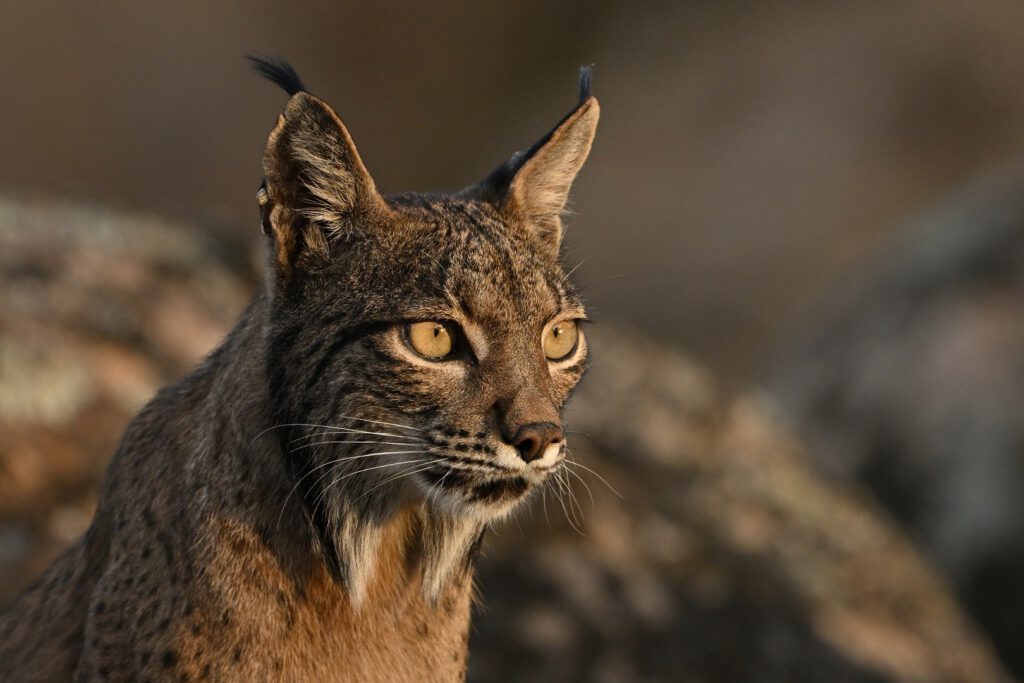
<point>97,311</point>
<point>725,558</point>
<point>912,381</point>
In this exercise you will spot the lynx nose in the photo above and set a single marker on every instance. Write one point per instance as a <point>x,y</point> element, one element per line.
<point>531,440</point>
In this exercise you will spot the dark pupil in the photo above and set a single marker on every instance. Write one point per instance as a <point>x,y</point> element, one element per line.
<point>556,330</point>
<point>437,330</point>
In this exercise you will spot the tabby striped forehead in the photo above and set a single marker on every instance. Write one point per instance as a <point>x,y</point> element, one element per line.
<point>459,256</point>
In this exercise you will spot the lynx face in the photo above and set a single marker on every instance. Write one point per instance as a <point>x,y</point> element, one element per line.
<point>428,353</point>
<point>421,347</point>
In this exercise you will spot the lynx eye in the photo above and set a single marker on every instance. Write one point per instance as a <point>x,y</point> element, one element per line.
<point>560,339</point>
<point>431,339</point>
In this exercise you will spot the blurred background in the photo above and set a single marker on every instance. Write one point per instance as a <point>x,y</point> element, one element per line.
<point>804,216</point>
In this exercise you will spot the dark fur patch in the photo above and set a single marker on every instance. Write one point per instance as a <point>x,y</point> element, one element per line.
<point>474,551</point>
<point>501,177</point>
<point>586,77</point>
<point>277,71</point>
<point>445,478</point>
<point>500,489</point>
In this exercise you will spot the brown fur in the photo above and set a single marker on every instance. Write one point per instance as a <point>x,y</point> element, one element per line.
<point>239,535</point>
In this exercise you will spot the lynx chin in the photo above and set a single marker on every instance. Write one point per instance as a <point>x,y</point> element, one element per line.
<point>307,504</point>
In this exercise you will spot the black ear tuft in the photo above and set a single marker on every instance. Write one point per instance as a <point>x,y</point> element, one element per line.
<point>277,71</point>
<point>586,74</point>
<point>501,177</point>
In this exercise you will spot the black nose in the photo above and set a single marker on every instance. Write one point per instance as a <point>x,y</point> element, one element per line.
<point>531,440</point>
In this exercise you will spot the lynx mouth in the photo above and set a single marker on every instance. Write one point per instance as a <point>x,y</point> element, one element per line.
<point>470,488</point>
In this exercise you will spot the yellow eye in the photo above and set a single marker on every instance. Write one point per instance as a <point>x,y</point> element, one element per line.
<point>431,339</point>
<point>560,340</point>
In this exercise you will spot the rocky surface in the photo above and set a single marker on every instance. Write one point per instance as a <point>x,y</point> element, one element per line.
<point>722,556</point>
<point>911,380</point>
<point>97,311</point>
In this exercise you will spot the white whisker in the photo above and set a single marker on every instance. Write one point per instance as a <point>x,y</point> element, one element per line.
<point>289,424</point>
<point>338,431</point>
<point>334,462</point>
<point>572,270</point>
<point>439,484</point>
<point>399,476</point>
<point>325,443</point>
<point>572,461</point>
<point>574,505</point>
<point>575,497</point>
<point>350,430</point>
<point>544,503</point>
<point>379,422</point>
<point>561,501</point>
<point>327,488</point>
<point>347,430</point>
<point>589,492</point>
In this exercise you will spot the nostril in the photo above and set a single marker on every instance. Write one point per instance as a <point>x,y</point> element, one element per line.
<point>529,449</point>
<point>532,440</point>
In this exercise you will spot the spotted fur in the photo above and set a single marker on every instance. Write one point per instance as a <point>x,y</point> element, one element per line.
<point>308,503</point>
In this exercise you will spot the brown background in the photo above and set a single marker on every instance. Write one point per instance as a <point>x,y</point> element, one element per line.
<point>750,155</point>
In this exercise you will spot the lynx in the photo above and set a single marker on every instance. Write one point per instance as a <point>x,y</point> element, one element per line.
<point>307,504</point>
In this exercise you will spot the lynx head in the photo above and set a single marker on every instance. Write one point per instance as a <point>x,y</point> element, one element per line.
<point>420,347</point>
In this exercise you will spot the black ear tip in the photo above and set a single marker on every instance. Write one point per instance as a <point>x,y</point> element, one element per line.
<point>586,76</point>
<point>277,70</point>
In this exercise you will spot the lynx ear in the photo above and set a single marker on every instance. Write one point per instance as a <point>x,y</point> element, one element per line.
<point>315,185</point>
<point>534,185</point>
